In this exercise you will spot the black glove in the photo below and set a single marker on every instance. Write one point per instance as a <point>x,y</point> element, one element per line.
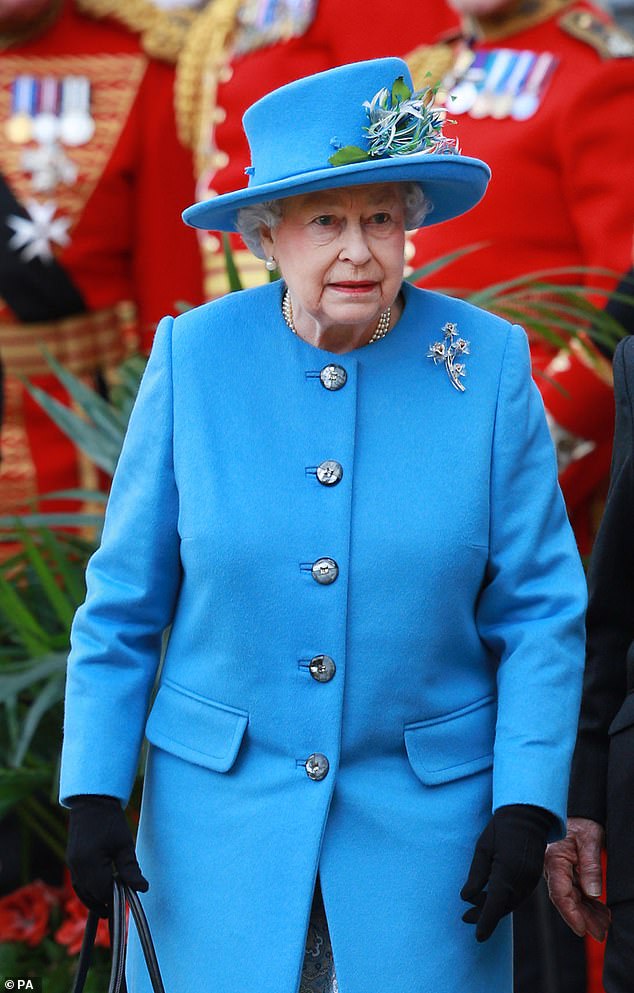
<point>100,841</point>
<point>507,864</point>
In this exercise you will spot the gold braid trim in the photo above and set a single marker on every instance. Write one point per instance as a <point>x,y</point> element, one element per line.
<point>206,51</point>
<point>163,32</point>
<point>429,64</point>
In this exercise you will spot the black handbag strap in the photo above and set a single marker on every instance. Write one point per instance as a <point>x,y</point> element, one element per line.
<point>117,940</point>
<point>85,954</point>
<point>145,938</point>
<point>122,895</point>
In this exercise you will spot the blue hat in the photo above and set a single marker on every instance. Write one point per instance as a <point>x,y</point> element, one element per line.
<point>358,123</point>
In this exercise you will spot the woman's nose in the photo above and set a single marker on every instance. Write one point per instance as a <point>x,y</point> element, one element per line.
<point>354,247</point>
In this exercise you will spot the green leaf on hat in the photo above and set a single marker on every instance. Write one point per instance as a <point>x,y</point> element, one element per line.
<point>349,154</point>
<point>400,91</point>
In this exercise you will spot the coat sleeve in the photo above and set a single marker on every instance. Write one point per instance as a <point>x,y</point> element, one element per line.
<point>610,626</point>
<point>530,613</point>
<point>132,586</point>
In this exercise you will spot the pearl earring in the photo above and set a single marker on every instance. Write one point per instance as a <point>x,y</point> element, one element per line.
<point>271,264</point>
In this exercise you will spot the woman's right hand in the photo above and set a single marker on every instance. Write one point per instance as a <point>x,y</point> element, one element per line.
<point>100,842</point>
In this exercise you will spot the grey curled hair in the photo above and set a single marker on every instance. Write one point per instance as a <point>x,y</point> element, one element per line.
<point>268,214</point>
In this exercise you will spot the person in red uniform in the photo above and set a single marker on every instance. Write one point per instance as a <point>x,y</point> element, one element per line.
<point>544,90</point>
<point>87,265</point>
<point>237,52</point>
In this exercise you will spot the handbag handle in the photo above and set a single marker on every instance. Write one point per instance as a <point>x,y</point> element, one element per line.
<point>122,895</point>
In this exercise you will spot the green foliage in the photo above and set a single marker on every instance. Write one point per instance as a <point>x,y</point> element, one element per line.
<point>41,586</point>
<point>542,302</point>
<point>99,428</point>
<point>556,310</point>
<point>400,91</point>
<point>348,155</point>
<point>425,271</point>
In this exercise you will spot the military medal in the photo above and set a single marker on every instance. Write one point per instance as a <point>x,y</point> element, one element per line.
<point>529,98</point>
<point>49,166</point>
<point>46,122</point>
<point>76,126</point>
<point>264,22</point>
<point>462,97</point>
<point>497,67</point>
<point>34,235</point>
<point>19,126</point>
<point>503,101</point>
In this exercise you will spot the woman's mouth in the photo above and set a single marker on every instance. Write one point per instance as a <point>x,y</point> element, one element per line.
<point>354,287</point>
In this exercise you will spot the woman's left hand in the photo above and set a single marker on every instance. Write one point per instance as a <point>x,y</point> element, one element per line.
<point>506,866</point>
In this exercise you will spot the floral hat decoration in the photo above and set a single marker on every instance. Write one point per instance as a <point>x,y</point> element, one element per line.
<point>355,124</point>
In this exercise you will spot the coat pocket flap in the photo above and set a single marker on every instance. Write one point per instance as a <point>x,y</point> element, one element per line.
<point>625,716</point>
<point>199,730</point>
<point>453,745</point>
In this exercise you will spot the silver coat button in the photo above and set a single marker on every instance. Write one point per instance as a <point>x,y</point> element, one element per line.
<point>325,571</point>
<point>322,668</point>
<point>333,377</point>
<point>329,472</point>
<point>317,766</point>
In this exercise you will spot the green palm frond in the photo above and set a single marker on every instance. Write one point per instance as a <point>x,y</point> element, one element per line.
<point>435,265</point>
<point>31,691</point>
<point>97,430</point>
<point>555,304</point>
<point>41,585</point>
<point>18,785</point>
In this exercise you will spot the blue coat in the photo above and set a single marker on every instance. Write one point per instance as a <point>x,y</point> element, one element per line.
<point>454,624</point>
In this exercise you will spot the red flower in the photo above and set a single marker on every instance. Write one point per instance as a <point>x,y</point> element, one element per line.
<point>25,913</point>
<point>71,931</point>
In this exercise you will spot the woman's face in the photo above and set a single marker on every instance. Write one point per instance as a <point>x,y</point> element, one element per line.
<point>341,254</point>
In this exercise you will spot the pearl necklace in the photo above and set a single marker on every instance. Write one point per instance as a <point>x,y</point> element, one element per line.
<point>382,327</point>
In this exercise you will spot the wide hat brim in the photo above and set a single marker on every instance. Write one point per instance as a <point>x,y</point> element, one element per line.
<point>453,183</point>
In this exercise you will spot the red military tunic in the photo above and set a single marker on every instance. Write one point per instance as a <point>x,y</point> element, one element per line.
<point>113,224</point>
<point>561,195</point>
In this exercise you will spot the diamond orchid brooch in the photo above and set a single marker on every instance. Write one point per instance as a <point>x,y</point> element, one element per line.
<point>448,351</point>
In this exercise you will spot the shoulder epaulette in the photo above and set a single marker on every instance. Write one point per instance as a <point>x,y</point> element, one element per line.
<point>609,40</point>
<point>162,32</point>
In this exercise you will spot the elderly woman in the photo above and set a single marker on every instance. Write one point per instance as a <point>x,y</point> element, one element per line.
<point>339,493</point>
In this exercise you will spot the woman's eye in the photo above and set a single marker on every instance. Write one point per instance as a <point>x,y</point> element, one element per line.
<point>324,220</point>
<point>381,217</point>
